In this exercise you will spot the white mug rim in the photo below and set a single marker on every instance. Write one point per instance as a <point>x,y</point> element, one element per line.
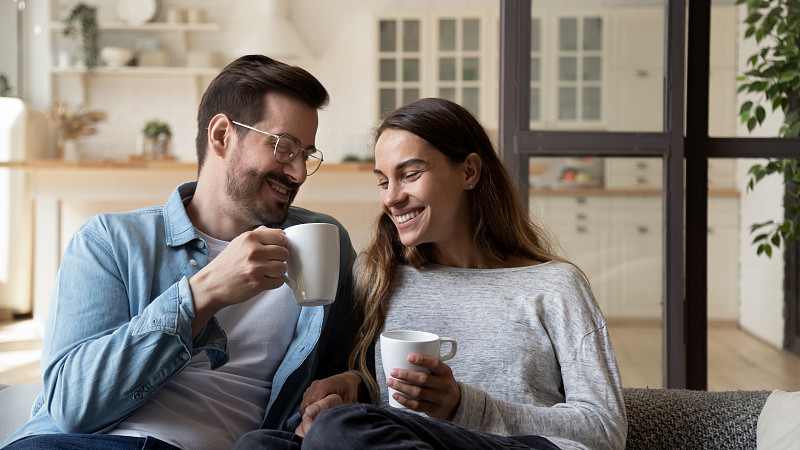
<point>426,336</point>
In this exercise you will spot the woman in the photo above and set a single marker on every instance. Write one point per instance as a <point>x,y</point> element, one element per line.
<point>455,254</point>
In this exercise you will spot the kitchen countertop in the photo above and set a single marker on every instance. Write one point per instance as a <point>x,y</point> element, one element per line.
<point>148,164</point>
<point>50,164</point>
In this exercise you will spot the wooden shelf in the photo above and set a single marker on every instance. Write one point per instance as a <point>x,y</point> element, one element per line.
<point>136,70</point>
<point>149,26</point>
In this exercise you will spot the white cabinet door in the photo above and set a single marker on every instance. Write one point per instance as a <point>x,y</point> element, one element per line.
<point>637,271</point>
<point>637,256</point>
<point>637,70</point>
<point>581,224</point>
<point>587,247</point>
<point>723,258</point>
<point>634,173</point>
<point>637,37</point>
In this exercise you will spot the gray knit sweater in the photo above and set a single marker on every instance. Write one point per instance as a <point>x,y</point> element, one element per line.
<point>534,355</point>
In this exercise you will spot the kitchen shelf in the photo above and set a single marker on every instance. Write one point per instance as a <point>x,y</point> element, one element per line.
<point>137,70</point>
<point>149,26</point>
<point>198,76</point>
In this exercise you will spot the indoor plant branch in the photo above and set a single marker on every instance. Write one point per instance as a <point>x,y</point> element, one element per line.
<point>82,23</point>
<point>774,79</point>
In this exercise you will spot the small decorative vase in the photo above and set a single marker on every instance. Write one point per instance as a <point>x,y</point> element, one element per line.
<point>156,147</point>
<point>69,150</point>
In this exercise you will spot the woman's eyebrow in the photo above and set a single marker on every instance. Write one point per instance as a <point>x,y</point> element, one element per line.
<point>403,165</point>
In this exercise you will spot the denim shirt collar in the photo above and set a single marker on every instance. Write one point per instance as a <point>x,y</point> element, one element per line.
<point>178,227</point>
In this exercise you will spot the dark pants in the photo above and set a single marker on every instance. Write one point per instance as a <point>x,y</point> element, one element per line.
<point>88,442</point>
<point>372,427</point>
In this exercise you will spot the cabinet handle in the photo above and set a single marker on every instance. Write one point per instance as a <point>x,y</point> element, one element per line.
<point>641,73</point>
<point>580,229</point>
<point>710,230</point>
<point>641,165</point>
<point>642,229</point>
<point>640,180</point>
<point>580,200</point>
<point>580,216</point>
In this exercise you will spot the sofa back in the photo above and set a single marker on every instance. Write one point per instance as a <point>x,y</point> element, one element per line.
<point>684,419</point>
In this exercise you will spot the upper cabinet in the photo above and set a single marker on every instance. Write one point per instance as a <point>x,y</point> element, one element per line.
<point>437,55</point>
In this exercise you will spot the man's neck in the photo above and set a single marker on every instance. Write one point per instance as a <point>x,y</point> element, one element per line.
<point>208,210</point>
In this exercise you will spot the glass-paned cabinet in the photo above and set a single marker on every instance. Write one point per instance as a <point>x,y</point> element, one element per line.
<point>399,62</point>
<point>567,73</point>
<point>434,55</point>
<point>459,62</point>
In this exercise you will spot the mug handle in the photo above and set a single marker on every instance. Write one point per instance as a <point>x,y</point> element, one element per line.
<point>453,347</point>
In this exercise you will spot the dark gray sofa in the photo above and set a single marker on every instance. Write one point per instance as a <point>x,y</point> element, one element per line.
<point>683,419</point>
<point>657,418</point>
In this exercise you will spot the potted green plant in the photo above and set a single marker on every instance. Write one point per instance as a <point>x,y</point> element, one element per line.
<point>156,135</point>
<point>82,24</point>
<point>5,87</point>
<point>774,78</point>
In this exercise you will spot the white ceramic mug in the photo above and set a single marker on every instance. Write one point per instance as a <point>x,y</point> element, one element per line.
<point>398,344</point>
<point>313,265</point>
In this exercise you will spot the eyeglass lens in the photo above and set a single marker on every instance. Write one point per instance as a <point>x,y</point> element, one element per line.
<point>286,148</point>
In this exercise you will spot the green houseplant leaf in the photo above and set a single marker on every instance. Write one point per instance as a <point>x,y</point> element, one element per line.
<point>774,78</point>
<point>82,23</point>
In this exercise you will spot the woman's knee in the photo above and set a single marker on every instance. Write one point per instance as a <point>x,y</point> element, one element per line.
<point>342,424</point>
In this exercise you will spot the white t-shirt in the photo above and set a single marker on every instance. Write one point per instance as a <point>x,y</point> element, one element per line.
<point>210,409</point>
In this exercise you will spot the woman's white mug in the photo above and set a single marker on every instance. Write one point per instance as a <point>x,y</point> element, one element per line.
<point>398,344</point>
<point>313,265</point>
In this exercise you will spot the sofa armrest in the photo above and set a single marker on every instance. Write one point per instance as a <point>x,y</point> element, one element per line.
<point>16,402</point>
<point>679,418</point>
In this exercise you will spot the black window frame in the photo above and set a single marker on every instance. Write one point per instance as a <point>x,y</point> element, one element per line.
<point>685,315</point>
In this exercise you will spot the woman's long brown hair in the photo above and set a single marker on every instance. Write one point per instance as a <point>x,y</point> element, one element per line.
<point>500,227</point>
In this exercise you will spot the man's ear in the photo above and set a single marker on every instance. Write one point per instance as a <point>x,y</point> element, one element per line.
<point>220,131</point>
<point>472,170</point>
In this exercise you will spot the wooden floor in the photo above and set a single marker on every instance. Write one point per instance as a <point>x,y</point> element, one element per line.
<point>737,360</point>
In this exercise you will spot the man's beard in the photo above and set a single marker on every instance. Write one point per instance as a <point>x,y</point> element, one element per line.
<point>245,189</point>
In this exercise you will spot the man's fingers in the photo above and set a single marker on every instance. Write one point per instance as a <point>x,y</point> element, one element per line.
<point>269,236</point>
<point>313,410</point>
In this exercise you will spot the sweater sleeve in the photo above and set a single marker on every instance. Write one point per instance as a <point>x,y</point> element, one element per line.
<point>593,413</point>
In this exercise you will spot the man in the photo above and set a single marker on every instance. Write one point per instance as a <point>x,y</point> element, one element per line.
<point>171,326</point>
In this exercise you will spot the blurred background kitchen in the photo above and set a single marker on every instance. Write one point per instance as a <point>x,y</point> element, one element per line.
<point>595,65</point>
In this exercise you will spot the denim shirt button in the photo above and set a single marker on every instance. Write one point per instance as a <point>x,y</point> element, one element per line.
<point>193,262</point>
<point>200,244</point>
<point>184,356</point>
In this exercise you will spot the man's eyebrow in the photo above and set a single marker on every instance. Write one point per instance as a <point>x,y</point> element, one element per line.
<point>403,165</point>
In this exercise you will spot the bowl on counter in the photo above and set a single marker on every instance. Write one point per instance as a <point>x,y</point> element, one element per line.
<point>116,56</point>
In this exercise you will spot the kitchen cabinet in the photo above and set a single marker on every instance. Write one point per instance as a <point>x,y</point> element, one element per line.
<point>723,258</point>
<point>634,173</point>
<point>616,237</point>
<point>637,70</point>
<point>636,263</point>
<point>582,225</point>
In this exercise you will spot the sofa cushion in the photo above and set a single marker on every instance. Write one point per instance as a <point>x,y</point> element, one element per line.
<point>16,402</point>
<point>685,419</point>
<point>779,424</point>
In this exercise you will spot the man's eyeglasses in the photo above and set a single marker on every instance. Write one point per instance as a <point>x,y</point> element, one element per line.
<point>287,148</point>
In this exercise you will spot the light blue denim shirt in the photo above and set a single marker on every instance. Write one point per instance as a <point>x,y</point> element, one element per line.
<point>119,324</point>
